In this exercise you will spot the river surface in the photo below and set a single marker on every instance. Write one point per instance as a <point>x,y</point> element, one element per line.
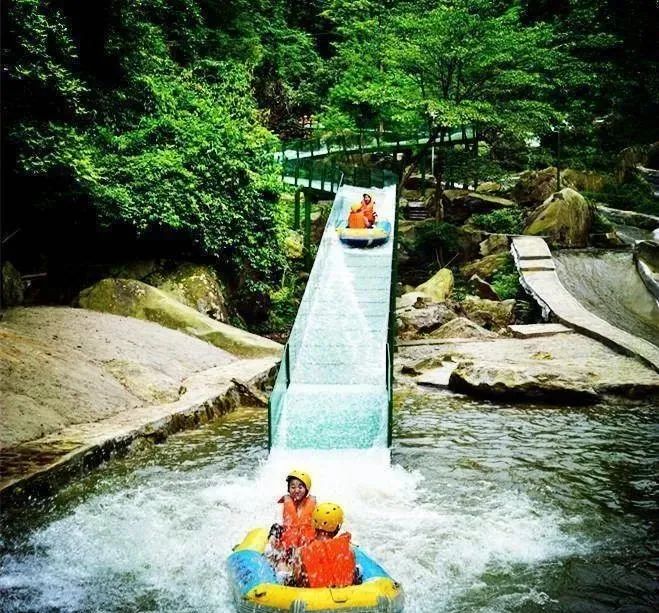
<point>483,508</point>
<point>607,284</point>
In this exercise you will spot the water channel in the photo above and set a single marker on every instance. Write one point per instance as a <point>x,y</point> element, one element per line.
<point>607,284</point>
<point>483,508</point>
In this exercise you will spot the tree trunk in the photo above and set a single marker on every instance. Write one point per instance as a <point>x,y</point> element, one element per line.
<point>414,160</point>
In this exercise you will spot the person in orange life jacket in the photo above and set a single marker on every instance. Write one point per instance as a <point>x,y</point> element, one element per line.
<point>367,208</point>
<point>356,219</point>
<point>296,528</point>
<point>328,560</point>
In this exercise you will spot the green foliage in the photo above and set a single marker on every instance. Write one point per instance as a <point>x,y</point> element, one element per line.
<point>509,220</point>
<point>284,305</point>
<point>505,280</point>
<point>635,194</point>
<point>168,141</point>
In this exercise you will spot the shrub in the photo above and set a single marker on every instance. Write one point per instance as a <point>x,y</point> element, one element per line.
<point>502,221</point>
<point>505,280</point>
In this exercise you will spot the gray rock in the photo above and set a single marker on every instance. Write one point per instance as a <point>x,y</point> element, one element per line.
<point>534,186</point>
<point>509,381</point>
<point>195,285</point>
<point>461,327</point>
<point>489,187</point>
<point>552,368</point>
<point>482,288</point>
<point>136,299</point>
<point>485,267</point>
<point>415,321</point>
<point>564,219</point>
<point>12,286</point>
<point>459,205</point>
<point>489,313</point>
<point>494,243</point>
<point>439,286</point>
<point>414,299</point>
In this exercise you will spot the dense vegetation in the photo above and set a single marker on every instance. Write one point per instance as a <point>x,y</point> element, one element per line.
<point>150,125</point>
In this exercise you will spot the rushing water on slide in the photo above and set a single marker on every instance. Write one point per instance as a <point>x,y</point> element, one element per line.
<point>484,508</point>
<point>607,284</point>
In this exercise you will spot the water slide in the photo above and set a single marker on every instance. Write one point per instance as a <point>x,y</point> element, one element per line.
<point>333,388</point>
<point>607,284</point>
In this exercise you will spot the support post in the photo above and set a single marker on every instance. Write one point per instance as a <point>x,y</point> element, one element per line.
<point>391,344</point>
<point>296,210</point>
<point>423,175</point>
<point>558,159</point>
<point>307,231</point>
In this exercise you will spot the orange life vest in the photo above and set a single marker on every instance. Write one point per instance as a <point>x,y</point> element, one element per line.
<point>357,221</point>
<point>329,563</point>
<point>369,213</point>
<point>298,529</point>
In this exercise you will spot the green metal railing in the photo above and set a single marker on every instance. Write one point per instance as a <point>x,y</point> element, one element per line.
<point>391,331</point>
<point>325,176</point>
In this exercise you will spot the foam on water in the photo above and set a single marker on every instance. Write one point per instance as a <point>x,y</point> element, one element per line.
<point>163,545</point>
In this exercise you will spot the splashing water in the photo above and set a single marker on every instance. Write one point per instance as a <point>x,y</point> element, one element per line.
<point>482,510</point>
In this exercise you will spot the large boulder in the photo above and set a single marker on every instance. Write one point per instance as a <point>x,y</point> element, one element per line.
<point>12,286</point>
<point>491,314</point>
<point>565,219</point>
<point>459,205</point>
<point>489,187</point>
<point>584,181</point>
<point>534,187</point>
<point>515,382</point>
<point>196,286</point>
<point>413,321</point>
<point>461,327</point>
<point>494,243</point>
<point>439,286</point>
<point>485,267</point>
<point>136,299</point>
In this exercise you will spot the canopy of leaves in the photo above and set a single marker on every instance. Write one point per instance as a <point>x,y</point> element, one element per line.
<point>144,112</point>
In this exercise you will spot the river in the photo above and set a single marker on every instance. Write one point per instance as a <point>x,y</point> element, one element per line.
<point>483,508</point>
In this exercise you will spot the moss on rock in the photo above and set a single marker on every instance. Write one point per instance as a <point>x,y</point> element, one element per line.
<point>136,299</point>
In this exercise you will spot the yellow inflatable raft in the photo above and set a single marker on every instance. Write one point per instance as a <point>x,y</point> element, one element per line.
<point>255,587</point>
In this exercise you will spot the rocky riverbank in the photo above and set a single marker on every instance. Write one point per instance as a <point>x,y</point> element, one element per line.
<point>557,365</point>
<point>77,386</point>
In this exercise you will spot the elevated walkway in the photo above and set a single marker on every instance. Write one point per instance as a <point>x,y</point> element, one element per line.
<point>538,276</point>
<point>333,388</point>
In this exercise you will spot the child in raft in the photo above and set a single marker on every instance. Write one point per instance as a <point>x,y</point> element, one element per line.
<point>296,529</point>
<point>328,560</point>
<point>368,205</point>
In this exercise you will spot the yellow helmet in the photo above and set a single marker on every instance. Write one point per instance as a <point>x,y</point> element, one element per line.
<point>302,476</point>
<point>356,207</point>
<point>327,516</point>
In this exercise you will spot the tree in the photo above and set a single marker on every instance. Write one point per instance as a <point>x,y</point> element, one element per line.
<point>457,63</point>
<point>145,132</point>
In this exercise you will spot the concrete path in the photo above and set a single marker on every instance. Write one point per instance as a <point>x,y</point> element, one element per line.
<point>538,276</point>
<point>43,464</point>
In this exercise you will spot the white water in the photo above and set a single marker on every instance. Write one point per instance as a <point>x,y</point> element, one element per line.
<point>162,544</point>
<point>338,396</point>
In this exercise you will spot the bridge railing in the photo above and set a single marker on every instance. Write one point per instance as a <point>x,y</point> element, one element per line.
<point>370,140</point>
<point>325,175</point>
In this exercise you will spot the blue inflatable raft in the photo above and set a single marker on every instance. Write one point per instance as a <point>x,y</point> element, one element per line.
<point>255,587</point>
<point>367,237</point>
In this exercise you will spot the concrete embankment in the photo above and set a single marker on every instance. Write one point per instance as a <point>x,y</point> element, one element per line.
<point>538,275</point>
<point>77,387</point>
